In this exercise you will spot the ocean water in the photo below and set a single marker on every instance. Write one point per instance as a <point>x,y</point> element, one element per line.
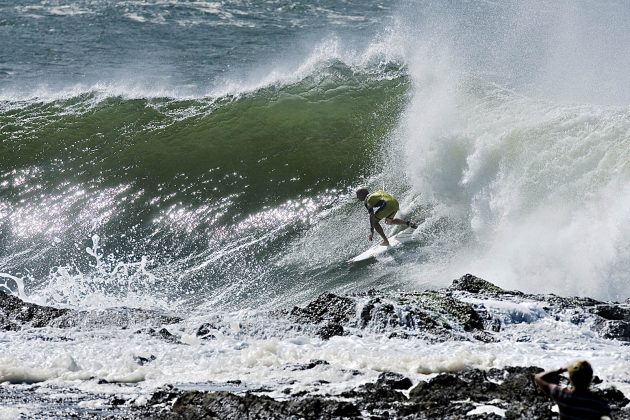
<point>200,158</point>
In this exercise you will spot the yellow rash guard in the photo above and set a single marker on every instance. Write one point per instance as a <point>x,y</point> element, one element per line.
<point>382,204</point>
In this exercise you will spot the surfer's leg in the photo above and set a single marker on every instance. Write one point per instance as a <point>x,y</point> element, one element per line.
<point>410,223</point>
<point>379,229</point>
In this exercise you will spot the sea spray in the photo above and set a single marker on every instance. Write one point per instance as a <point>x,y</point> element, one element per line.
<point>532,187</point>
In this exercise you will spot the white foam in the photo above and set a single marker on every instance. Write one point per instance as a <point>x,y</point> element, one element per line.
<point>14,412</point>
<point>262,352</point>
<point>486,409</point>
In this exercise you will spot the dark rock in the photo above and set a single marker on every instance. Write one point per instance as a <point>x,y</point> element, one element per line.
<point>143,360</point>
<point>10,326</point>
<point>461,312</point>
<point>613,321</point>
<point>485,337</point>
<point>561,303</point>
<point>379,315</point>
<point>309,365</point>
<point>224,405</point>
<point>396,334</point>
<point>14,312</point>
<point>454,387</point>
<point>162,333</point>
<point>615,330</point>
<point>447,396</point>
<point>168,336</point>
<point>613,396</point>
<point>164,396</point>
<point>205,332</point>
<point>612,312</point>
<point>394,380</point>
<point>378,395</point>
<point>472,284</point>
<point>330,330</point>
<point>327,307</point>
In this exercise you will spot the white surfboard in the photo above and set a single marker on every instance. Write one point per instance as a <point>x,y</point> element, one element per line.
<point>377,250</point>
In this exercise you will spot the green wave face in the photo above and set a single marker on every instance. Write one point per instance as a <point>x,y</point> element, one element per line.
<point>178,180</point>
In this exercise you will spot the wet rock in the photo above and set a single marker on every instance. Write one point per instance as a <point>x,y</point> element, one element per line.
<point>614,397</point>
<point>14,313</point>
<point>613,321</point>
<point>310,365</point>
<point>446,396</point>
<point>205,332</point>
<point>472,284</point>
<point>329,330</point>
<point>327,307</point>
<point>461,313</point>
<point>612,312</point>
<point>162,333</point>
<point>141,361</point>
<point>224,405</point>
<point>562,303</point>
<point>394,380</point>
<point>615,330</point>
<point>377,313</point>
<point>163,397</point>
<point>446,387</point>
<point>117,317</point>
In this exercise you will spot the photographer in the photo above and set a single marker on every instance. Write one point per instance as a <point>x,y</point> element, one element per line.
<point>576,401</point>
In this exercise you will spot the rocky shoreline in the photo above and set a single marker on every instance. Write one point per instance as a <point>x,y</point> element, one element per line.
<point>461,312</point>
<point>499,393</point>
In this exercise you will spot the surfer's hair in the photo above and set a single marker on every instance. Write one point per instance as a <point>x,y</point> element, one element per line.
<point>362,193</point>
<point>580,374</point>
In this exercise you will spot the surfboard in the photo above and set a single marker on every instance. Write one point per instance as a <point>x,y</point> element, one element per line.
<point>377,250</point>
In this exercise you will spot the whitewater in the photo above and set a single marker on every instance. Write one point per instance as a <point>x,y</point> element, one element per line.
<point>199,160</point>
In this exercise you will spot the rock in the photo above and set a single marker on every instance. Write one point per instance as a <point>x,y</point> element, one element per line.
<point>310,365</point>
<point>446,396</point>
<point>141,361</point>
<point>453,387</point>
<point>613,321</point>
<point>205,332</point>
<point>615,330</point>
<point>612,312</point>
<point>162,333</point>
<point>224,405</point>
<point>14,313</point>
<point>330,330</point>
<point>327,307</point>
<point>394,380</point>
<point>561,303</point>
<point>472,284</point>
<point>460,312</point>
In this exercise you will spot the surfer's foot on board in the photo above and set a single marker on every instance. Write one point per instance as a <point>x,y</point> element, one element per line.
<point>412,224</point>
<point>385,243</point>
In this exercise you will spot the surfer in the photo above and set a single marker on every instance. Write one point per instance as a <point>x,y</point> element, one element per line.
<point>575,402</point>
<point>381,205</point>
